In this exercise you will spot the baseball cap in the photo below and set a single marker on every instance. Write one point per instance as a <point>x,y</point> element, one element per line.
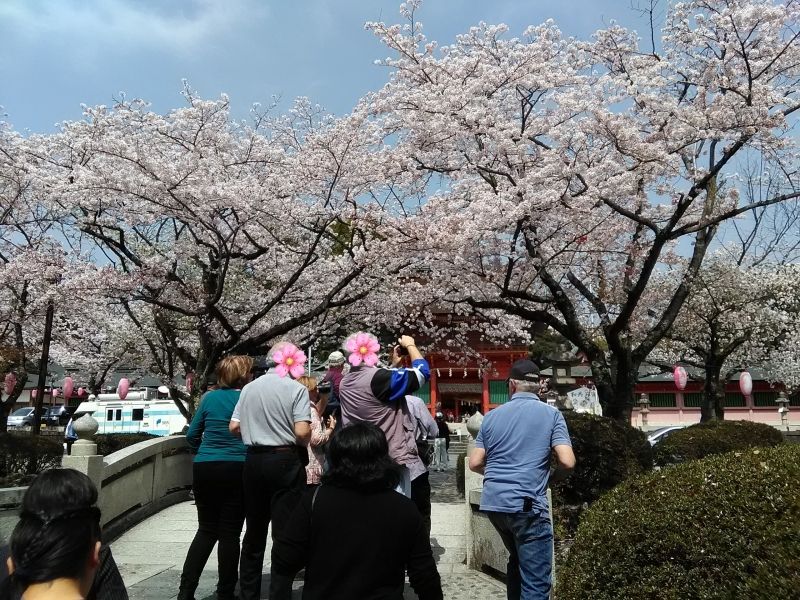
<point>524,370</point>
<point>335,358</point>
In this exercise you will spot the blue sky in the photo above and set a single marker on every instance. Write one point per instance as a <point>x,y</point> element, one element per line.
<point>57,54</point>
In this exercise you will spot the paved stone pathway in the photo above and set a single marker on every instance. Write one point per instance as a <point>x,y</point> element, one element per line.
<point>151,555</point>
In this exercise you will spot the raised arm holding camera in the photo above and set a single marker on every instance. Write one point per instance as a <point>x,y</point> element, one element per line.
<point>377,395</point>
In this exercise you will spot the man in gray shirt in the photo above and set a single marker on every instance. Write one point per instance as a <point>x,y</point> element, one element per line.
<point>273,416</point>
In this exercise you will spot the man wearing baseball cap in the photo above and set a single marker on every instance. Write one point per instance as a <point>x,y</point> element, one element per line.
<point>513,451</point>
<point>335,364</point>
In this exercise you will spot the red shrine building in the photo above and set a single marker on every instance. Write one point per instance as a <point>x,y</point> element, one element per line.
<point>458,387</point>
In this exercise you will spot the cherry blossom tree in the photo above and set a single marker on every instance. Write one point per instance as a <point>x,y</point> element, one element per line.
<point>33,266</point>
<point>737,316</point>
<point>224,236</point>
<point>563,174</point>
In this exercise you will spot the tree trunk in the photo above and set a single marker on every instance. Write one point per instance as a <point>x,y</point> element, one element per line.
<point>615,389</point>
<point>48,330</point>
<point>713,405</point>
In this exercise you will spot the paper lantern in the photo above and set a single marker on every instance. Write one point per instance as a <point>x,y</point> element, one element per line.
<point>680,376</point>
<point>81,391</point>
<point>745,383</point>
<point>10,382</point>
<point>122,388</point>
<point>189,382</point>
<point>33,393</point>
<point>69,385</point>
<point>54,392</point>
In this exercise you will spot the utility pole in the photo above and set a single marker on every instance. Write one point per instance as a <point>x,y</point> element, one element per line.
<point>48,330</point>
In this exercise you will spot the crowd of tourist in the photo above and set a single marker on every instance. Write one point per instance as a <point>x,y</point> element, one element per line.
<point>337,467</point>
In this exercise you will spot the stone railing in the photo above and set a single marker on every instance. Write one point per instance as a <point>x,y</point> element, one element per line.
<point>134,483</point>
<point>142,479</point>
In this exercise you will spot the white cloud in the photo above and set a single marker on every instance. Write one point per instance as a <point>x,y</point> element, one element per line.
<point>181,25</point>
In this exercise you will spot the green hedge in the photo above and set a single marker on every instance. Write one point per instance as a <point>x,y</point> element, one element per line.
<point>714,437</point>
<point>723,527</point>
<point>607,453</point>
<point>23,455</point>
<point>108,443</point>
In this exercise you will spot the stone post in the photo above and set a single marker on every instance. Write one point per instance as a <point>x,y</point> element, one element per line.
<point>84,457</point>
<point>472,481</point>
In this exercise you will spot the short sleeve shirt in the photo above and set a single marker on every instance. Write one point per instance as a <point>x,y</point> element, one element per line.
<point>269,407</point>
<point>518,437</point>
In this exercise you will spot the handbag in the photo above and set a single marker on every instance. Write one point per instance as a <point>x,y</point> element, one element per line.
<point>425,450</point>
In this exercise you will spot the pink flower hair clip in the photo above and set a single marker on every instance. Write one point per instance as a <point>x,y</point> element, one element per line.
<point>363,348</point>
<point>289,360</point>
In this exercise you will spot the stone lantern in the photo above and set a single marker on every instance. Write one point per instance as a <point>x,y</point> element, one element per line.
<point>644,409</point>
<point>783,409</point>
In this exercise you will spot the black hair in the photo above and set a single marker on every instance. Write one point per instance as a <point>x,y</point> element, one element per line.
<point>358,458</point>
<point>57,529</point>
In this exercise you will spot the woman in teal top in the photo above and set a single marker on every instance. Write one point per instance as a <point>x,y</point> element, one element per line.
<point>217,481</point>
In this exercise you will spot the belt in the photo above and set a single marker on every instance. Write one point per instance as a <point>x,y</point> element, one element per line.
<point>270,449</point>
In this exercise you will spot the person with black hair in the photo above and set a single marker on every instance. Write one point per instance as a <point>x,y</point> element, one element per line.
<point>55,550</point>
<point>376,532</point>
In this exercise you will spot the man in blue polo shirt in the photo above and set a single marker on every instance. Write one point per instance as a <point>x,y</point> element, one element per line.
<point>513,451</point>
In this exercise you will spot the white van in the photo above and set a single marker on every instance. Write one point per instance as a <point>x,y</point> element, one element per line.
<point>135,414</point>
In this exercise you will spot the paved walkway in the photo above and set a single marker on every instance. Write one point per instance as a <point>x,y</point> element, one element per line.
<point>150,555</point>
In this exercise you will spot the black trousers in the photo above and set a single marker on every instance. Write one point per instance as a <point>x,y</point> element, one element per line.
<point>273,484</point>
<point>219,498</point>
<point>421,496</point>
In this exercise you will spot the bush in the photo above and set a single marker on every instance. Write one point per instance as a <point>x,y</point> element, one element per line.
<point>723,527</point>
<point>108,443</point>
<point>607,453</point>
<point>460,475</point>
<point>23,456</point>
<point>714,437</point>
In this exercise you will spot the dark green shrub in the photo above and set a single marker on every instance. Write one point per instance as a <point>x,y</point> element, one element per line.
<point>24,455</point>
<point>607,453</point>
<point>723,527</point>
<point>460,475</point>
<point>714,437</point>
<point>108,443</point>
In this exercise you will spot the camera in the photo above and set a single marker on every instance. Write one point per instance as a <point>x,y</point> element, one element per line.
<point>402,350</point>
<point>324,387</point>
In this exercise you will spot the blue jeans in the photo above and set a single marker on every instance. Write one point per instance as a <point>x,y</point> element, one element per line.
<point>529,540</point>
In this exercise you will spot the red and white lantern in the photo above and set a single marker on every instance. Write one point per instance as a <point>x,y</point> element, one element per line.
<point>69,385</point>
<point>681,377</point>
<point>33,393</point>
<point>54,392</point>
<point>122,388</point>
<point>745,383</point>
<point>10,382</point>
<point>80,391</point>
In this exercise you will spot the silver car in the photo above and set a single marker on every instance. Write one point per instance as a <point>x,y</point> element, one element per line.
<point>661,434</point>
<point>22,417</point>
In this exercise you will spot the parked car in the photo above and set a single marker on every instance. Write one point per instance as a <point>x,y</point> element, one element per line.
<point>22,417</point>
<point>55,415</point>
<point>663,433</point>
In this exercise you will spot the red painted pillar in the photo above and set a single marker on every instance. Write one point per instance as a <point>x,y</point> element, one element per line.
<point>485,393</point>
<point>434,395</point>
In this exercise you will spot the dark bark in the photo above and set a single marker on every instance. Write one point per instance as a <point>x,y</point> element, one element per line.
<point>713,403</point>
<point>48,330</point>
